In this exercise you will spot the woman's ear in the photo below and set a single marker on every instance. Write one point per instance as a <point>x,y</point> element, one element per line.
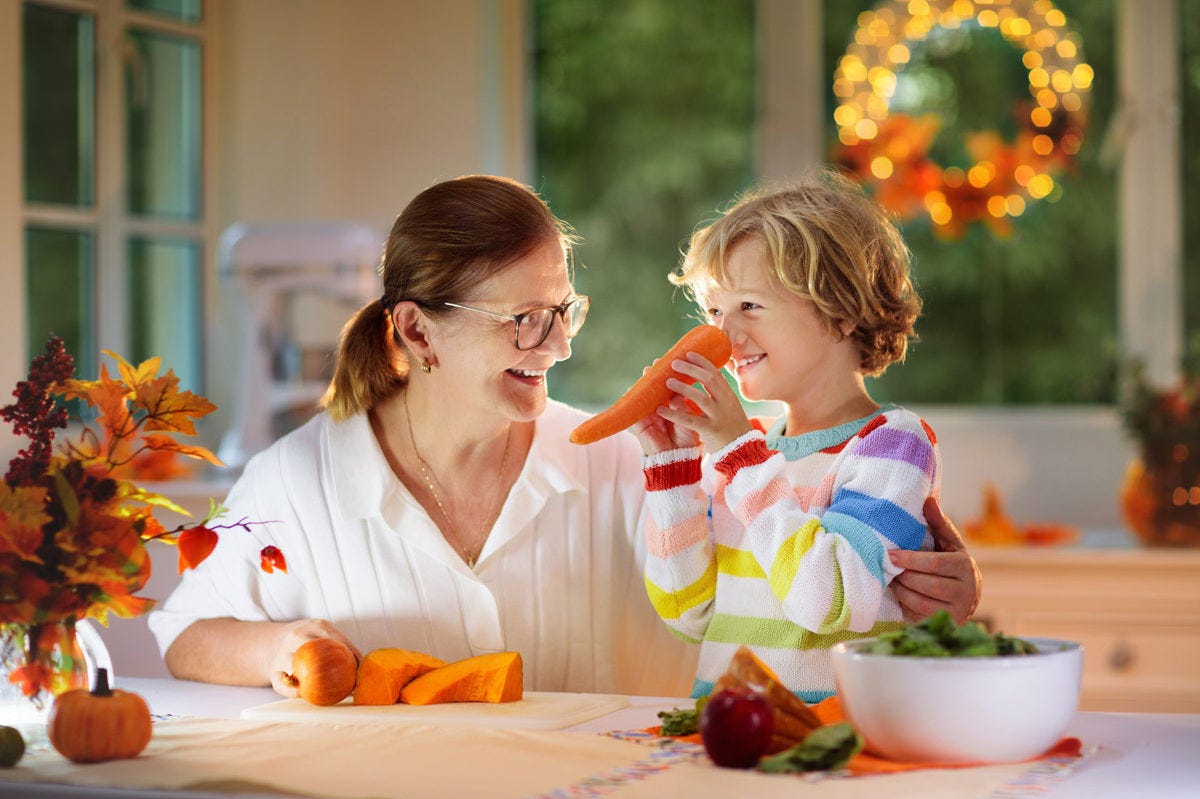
<point>413,327</point>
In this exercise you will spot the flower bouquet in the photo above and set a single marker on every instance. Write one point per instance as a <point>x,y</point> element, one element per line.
<point>1160,497</point>
<point>74,526</point>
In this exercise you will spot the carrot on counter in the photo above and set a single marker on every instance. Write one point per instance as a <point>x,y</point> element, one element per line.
<point>650,390</point>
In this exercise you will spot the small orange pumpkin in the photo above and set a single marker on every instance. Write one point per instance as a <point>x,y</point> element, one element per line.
<point>97,725</point>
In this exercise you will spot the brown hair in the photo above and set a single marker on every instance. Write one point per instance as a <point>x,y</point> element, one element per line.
<point>829,242</point>
<point>449,238</point>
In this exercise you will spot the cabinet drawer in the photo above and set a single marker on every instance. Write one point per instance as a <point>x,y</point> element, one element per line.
<point>1124,660</point>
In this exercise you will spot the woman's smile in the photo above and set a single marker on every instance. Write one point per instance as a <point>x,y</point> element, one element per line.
<point>529,377</point>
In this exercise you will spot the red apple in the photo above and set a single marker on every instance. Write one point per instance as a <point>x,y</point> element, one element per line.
<point>736,726</point>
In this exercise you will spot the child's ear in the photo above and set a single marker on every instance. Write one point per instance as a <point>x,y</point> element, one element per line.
<point>846,327</point>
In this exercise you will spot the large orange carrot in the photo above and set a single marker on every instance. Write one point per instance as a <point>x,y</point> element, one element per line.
<point>650,390</point>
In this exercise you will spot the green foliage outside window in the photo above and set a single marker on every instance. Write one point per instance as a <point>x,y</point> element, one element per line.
<point>645,127</point>
<point>1031,318</point>
<point>645,116</point>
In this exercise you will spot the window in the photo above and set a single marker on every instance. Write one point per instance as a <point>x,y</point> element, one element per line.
<point>1026,317</point>
<point>630,151</point>
<point>634,151</point>
<point>113,180</point>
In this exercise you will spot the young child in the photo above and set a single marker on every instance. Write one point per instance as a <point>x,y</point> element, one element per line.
<point>776,537</point>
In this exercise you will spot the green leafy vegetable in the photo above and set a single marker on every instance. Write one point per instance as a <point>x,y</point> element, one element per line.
<point>682,722</point>
<point>824,749</point>
<point>939,636</point>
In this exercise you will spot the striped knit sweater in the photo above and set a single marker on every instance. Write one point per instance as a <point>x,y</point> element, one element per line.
<point>780,543</point>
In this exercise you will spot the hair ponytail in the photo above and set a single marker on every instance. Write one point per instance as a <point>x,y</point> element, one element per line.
<point>369,367</point>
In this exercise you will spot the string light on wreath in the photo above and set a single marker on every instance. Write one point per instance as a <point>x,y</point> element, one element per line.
<point>891,151</point>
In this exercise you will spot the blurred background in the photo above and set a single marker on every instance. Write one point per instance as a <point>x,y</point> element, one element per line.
<point>211,181</point>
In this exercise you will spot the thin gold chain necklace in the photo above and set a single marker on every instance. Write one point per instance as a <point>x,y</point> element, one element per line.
<point>426,472</point>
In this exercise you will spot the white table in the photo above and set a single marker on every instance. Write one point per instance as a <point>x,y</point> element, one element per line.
<point>1136,755</point>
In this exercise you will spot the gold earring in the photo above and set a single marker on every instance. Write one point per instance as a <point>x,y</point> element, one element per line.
<point>425,367</point>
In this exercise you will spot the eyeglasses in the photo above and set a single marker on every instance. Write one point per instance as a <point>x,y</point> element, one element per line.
<point>534,326</point>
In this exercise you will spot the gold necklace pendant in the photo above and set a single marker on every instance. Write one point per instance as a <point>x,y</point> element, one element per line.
<point>458,545</point>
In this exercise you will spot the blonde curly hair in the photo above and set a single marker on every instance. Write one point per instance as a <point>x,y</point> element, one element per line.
<point>829,242</point>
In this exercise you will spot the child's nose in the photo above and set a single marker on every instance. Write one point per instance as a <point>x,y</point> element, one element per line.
<point>730,328</point>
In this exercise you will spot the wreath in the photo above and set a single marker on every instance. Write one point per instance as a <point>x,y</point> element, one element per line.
<point>890,152</point>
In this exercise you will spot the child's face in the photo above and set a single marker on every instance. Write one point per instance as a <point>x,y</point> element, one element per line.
<point>782,349</point>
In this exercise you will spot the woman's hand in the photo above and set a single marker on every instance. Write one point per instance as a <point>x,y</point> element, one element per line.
<point>292,636</point>
<point>946,578</point>
<point>721,418</point>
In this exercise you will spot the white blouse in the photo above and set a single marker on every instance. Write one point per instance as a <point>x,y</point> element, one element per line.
<point>559,579</point>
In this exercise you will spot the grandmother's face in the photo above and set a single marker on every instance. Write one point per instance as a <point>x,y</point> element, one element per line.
<point>480,357</point>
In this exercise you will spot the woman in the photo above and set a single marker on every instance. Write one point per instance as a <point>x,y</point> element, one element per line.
<point>441,508</point>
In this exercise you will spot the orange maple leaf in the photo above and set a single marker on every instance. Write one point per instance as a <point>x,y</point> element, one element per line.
<point>135,376</point>
<point>167,407</point>
<point>22,515</point>
<point>118,600</point>
<point>109,396</point>
<point>169,444</point>
<point>30,677</point>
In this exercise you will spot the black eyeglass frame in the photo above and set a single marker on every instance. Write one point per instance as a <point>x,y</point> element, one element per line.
<point>559,311</point>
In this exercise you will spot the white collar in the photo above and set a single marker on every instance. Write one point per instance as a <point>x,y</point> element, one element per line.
<point>362,481</point>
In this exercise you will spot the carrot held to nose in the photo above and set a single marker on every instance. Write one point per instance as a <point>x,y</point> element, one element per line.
<point>650,391</point>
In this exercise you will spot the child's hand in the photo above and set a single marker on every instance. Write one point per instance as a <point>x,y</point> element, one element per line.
<point>656,434</point>
<point>721,417</point>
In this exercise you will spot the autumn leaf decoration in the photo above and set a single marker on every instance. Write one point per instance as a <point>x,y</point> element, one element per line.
<point>73,525</point>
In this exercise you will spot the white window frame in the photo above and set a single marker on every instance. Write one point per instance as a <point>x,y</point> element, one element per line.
<point>108,219</point>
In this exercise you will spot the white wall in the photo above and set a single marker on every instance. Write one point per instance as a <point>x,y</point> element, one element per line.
<point>315,110</point>
<point>1049,464</point>
<point>345,111</point>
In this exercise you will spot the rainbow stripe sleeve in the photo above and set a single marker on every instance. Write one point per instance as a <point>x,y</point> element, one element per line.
<point>681,565</point>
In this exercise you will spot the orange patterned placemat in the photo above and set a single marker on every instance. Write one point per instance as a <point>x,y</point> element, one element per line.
<point>830,712</point>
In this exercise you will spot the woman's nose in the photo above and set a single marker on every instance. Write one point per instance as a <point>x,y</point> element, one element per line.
<point>557,343</point>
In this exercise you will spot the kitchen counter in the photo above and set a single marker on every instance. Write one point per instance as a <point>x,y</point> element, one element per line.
<point>203,750</point>
<point>1135,610</point>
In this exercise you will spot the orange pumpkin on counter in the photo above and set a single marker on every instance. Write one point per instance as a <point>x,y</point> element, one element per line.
<point>484,678</point>
<point>384,672</point>
<point>98,725</point>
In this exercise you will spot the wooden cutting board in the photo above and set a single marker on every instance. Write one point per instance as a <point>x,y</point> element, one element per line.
<point>537,710</point>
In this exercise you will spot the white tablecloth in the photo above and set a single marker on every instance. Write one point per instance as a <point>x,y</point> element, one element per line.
<point>200,745</point>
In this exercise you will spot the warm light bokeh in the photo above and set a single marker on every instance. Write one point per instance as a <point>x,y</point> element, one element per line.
<point>891,151</point>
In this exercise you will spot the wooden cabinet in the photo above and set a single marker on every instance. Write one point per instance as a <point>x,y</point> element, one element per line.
<point>1136,612</point>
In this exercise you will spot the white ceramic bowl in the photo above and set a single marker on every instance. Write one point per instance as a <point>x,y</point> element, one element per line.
<point>960,709</point>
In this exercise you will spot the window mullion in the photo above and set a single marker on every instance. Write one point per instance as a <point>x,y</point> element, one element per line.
<point>789,139</point>
<point>111,180</point>
<point>1151,191</point>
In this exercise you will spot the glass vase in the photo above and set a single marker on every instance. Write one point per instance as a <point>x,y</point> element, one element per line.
<point>40,661</point>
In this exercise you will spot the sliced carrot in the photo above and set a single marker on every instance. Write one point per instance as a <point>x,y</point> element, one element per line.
<point>383,672</point>
<point>483,678</point>
<point>650,390</point>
